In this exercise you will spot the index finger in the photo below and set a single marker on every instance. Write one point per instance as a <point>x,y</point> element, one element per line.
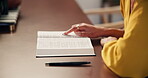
<point>70,30</point>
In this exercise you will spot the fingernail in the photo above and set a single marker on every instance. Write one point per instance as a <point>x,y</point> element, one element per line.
<point>64,33</point>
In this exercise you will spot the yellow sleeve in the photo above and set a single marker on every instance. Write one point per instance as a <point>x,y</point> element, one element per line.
<point>128,55</point>
<point>122,7</point>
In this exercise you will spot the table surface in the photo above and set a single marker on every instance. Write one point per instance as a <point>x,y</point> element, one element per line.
<point>18,50</point>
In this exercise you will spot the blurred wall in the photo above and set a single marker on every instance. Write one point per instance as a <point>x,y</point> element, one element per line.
<point>88,4</point>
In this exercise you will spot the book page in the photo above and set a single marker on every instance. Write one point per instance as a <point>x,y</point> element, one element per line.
<point>63,43</point>
<point>55,34</point>
<point>12,15</point>
<point>53,43</point>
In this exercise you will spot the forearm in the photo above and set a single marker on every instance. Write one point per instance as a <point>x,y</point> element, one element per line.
<point>115,32</point>
<point>111,32</point>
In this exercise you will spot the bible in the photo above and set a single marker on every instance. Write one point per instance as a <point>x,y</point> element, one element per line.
<point>54,43</point>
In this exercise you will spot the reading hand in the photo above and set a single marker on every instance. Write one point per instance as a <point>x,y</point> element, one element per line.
<point>85,30</point>
<point>73,28</point>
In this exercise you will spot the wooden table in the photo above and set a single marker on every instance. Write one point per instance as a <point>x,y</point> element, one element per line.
<point>18,50</point>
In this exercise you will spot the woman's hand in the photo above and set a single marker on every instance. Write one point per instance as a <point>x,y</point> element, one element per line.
<point>108,39</point>
<point>86,30</point>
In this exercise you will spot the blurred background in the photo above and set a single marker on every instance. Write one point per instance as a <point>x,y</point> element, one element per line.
<point>95,4</point>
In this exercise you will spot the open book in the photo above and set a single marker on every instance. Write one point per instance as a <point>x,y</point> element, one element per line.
<point>54,43</point>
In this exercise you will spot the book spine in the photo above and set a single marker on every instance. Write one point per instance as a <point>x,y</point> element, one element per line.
<point>7,28</point>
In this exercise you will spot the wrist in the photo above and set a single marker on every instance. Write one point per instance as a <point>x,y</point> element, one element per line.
<point>106,40</point>
<point>114,32</point>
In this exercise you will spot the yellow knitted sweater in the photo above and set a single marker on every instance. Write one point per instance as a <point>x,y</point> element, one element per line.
<point>128,56</point>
